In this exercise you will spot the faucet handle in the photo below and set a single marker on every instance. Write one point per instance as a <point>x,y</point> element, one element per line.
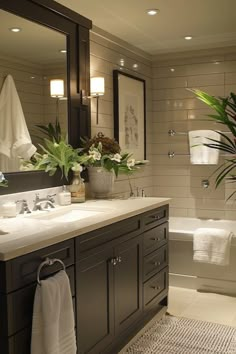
<point>50,197</point>
<point>24,206</point>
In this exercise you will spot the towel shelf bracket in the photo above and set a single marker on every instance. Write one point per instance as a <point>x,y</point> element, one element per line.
<point>48,262</point>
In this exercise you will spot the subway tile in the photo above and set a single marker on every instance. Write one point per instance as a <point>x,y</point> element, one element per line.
<point>230,78</point>
<point>178,212</point>
<point>172,105</point>
<point>170,82</point>
<point>170,116</point>
<point>172,181</point>
<point>182,93</point>
<point>171,192</point>
<point>179,170</point>
<point>206,80</point>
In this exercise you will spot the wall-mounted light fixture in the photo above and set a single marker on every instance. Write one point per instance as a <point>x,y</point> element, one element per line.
<point>57,91</point>
<point>97,89</point>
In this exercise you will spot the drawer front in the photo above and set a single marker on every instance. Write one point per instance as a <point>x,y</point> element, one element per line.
<point>155,287</point>
<point>24,269</point>
<point>156,217</point>
<point>130,228</point>
<point>155,238</point>
<point>19,306</point>
<point>154,262</point>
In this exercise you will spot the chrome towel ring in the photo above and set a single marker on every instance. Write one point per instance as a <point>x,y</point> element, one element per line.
<point>48,262</point>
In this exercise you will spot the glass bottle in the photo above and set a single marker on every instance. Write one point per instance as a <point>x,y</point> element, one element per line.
<point>77,188</point>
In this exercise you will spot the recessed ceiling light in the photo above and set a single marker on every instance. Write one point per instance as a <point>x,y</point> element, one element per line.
<point>15,29</point>
<point>122,62</point>
<point>63,51</point>
<point>188,38</point>
<point>152,12</point>
<point>135,66</point>
<point>32,77</point>
<point>216,62</point>
<point>172,69</point>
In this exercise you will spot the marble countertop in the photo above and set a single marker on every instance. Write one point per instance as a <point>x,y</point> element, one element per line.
<point>25,234</point>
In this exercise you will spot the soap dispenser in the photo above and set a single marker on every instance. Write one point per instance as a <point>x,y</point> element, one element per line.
<point>64,197</point>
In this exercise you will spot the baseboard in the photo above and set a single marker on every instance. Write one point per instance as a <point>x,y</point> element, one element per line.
<point>183,281</point>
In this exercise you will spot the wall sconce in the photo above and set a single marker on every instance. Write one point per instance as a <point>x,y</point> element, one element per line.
<point>97,89</point>
<point>57,91</point>
<point>57,88</point>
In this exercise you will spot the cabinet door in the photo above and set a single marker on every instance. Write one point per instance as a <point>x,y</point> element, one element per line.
<point>95,316</point>
<point>128,283</point>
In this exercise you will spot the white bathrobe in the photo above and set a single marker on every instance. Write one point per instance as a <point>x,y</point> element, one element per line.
<point>15,140</point>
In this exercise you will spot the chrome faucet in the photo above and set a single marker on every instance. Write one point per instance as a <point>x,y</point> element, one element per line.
<point>43,203</point>
<point>24,206</point>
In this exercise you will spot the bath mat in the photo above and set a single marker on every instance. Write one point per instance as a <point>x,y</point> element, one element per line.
<point>177,335</point>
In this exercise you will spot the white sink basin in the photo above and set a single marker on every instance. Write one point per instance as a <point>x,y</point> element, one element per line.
<point>67,214</point>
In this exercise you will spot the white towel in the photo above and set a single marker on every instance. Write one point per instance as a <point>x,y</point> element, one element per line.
<point>14,135</point>
<point>53,324</point>
<point>200,154</point>
<point>212,246</point>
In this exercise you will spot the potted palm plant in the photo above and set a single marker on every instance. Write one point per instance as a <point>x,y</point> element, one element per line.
<point>225,114</point>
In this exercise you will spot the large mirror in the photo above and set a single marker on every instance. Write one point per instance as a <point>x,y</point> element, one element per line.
<point>31,57</point>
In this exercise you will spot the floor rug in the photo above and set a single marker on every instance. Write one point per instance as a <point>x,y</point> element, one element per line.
<point>177,335</point>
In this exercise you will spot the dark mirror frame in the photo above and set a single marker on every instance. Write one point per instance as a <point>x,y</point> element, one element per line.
<point>76,28</point>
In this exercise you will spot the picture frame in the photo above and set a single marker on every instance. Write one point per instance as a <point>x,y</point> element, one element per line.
<point>130,113</point>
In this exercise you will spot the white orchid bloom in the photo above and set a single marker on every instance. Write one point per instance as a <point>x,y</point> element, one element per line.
<point>130,163</point>
<point>95,155</point>
<point>116,157</point>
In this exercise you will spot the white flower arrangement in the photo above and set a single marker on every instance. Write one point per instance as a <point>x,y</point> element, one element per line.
<point>3,181</point>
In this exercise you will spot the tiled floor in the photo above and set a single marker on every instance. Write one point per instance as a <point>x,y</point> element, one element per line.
<point>202,306</point>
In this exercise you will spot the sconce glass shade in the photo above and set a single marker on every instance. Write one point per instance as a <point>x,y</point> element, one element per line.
<point>57,88</point>
<point>97,86</point>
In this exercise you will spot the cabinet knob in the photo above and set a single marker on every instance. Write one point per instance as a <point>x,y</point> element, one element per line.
<point>113,261</point>
<point>157,287</point>
<point>119,259</point>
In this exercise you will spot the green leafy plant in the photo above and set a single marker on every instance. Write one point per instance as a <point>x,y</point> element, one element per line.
<point>51,131</point>
<point>101,151</point>
<point>3,181</point>
<point>225,109</point>
<point>55,156</point>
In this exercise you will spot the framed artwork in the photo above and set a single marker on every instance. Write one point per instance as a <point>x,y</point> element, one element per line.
<point>129,113</point>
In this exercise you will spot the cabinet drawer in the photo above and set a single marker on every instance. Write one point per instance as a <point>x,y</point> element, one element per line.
<point>24,269</point>
<point>154,262</point>
<point>126,229</point>
<point>155,287</point>
<point>156,217</point>
<point>19,306</point>
<point>155,238</point>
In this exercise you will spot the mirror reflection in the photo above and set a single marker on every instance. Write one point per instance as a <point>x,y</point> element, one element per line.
<point>33,81</point>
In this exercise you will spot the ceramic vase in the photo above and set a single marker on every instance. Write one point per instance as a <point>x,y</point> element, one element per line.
<point>101,182</point>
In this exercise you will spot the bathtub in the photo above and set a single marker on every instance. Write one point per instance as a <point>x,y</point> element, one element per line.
<point>194,275</point>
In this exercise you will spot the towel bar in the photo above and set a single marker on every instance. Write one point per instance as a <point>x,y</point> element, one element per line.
<point>48,262</point>
<point>172,132</point>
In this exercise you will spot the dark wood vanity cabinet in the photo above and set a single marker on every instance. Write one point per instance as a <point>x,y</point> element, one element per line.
<point>117,282</point>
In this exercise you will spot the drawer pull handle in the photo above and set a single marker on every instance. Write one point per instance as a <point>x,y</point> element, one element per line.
<point>156,217</point>
<point>157,287</point>
<point>155,238</point>
<point>157,264</point>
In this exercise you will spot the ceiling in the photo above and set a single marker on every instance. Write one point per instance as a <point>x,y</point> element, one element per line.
<point>35,43</point>
<point>211,22</point>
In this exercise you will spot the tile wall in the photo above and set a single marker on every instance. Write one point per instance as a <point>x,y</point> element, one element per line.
<point>174,107</point>
<point>107,54</point>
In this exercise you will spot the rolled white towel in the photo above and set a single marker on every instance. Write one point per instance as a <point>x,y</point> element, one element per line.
<point>212,246</point>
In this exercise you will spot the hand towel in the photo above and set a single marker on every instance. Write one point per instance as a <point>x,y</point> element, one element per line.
<point>15,139</point>
<point>53,324</point>
<point>212,246</point>
<point>200,154</point>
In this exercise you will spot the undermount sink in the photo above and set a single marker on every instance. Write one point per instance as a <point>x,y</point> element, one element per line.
<point>68,214</point>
